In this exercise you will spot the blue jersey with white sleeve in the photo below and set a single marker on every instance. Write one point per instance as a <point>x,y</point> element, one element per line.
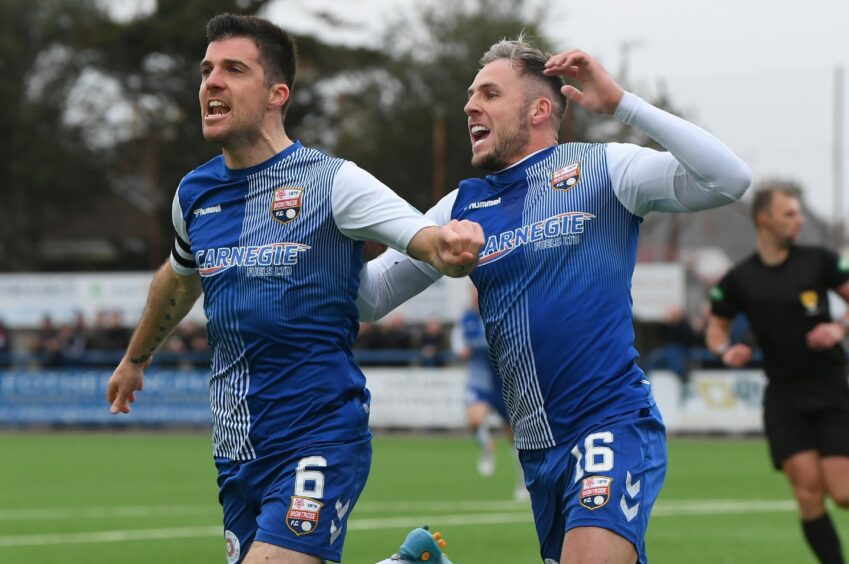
<point>554,284</point>
<point>554,277</point>
<point>278,251</point>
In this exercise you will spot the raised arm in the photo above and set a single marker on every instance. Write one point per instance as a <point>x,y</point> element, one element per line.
<point>699,171</point>
<point>170,298</point>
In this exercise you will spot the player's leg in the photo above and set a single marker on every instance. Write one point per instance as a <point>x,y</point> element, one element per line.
<point>806,479</point>
<point>835,470</point>
<point>600,489</point>
<point>591,545</point>
<point>520,491</point>
<point>804,471</point>
<point>240,508</point>
<point>620,468</point>
<point>833,446</point>
<point>307,498</point>
<point>832,430</point>
<point>793,441</point>
<point>264,552</point>
<point>477,411</point>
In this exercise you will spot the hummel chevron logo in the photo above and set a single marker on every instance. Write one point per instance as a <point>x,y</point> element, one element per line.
<point>341,511</point>
<point>630,512</point>
<point>334,532</point>
<point>632,489</point>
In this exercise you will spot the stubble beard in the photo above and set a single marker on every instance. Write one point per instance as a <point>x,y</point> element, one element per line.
<point>240,133</point>
<point>504,149</point>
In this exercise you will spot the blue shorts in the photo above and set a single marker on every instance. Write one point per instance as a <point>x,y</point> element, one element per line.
<point>299,500</point>
<point>489,397</point>
<point>610,478</point>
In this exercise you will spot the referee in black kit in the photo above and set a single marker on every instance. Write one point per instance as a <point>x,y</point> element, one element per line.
<point>782,289</point>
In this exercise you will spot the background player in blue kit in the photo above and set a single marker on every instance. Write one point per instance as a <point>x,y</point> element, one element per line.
<point>561,225</point>
<point>483,394</point>
<point>271,233</point>
<point>782,289</point>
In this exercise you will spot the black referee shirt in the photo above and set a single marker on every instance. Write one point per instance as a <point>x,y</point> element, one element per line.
<point>783,303</point>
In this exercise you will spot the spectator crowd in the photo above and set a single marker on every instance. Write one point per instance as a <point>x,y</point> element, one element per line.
<point>675,343</point>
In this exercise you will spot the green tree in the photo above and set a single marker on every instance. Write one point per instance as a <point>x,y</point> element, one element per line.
<point>44,163</point>
<point>406,124</point>
<point>100,121</point>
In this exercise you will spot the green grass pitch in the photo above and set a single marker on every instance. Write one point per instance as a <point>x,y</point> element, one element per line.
<point>151,497</point>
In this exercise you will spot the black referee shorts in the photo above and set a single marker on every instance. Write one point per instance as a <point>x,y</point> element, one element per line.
<point>799,418</point>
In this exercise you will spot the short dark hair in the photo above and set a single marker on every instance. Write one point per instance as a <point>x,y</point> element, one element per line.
<point>277,50</point>
<point>766,191</point>
<point>530,61</point>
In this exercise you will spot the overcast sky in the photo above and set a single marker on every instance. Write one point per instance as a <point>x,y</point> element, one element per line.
<point>759,74</point>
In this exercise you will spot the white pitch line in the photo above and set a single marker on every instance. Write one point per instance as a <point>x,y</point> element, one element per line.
<point>188,510</point>
<point>522,515</point>
<point>111,536</point>
<point>721,506</point>
<point>107,512</point>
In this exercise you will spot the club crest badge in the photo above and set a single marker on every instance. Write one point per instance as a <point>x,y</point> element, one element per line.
<point>567,177</point>
<point>302,518</point>
<point>595,491</point>
<point>810,301</point>
<point>232,546</point>
<point>286,203</point>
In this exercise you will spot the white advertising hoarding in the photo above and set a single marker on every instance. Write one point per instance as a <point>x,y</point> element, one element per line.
<point>26,298</point>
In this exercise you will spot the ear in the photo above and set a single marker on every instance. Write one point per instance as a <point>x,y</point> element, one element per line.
<point>540,111</point>
<point>278,96</point>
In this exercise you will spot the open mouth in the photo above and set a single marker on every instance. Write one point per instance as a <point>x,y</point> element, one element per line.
<point>478,133</point>
<point>216,108</point>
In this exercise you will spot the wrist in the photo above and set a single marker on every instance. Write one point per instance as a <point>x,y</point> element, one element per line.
<point>723,348</point>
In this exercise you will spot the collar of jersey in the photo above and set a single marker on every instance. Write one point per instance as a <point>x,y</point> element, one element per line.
<point>515,172</point>
<point>243,172</point>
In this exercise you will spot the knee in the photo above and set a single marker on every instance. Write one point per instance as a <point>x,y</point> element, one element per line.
<point>809,496</point>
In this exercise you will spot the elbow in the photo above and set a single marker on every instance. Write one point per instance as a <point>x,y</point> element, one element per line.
<point>738,179</point>
<point>368,311</point>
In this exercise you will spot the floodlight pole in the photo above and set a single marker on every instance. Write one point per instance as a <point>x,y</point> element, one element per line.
<point>438,163</point>
<point>837,158</point>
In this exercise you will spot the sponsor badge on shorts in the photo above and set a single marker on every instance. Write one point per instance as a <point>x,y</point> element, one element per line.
<point>286,203</point>
<point>233,549</point>
<point>595,491</point>
<point>302,517</point>
<point>567,177</point>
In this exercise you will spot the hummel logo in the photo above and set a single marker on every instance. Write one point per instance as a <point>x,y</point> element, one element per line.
<point>630,512</point>
<point>341,511</point>
<point>633,488</point>
<point>204,211</point>
<point>484,204</point>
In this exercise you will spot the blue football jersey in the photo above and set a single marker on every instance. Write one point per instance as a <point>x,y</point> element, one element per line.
<point>279,281</point>
<point>554,283</point>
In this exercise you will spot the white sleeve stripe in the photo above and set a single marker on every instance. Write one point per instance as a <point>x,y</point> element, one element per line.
<point>186,259</point>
